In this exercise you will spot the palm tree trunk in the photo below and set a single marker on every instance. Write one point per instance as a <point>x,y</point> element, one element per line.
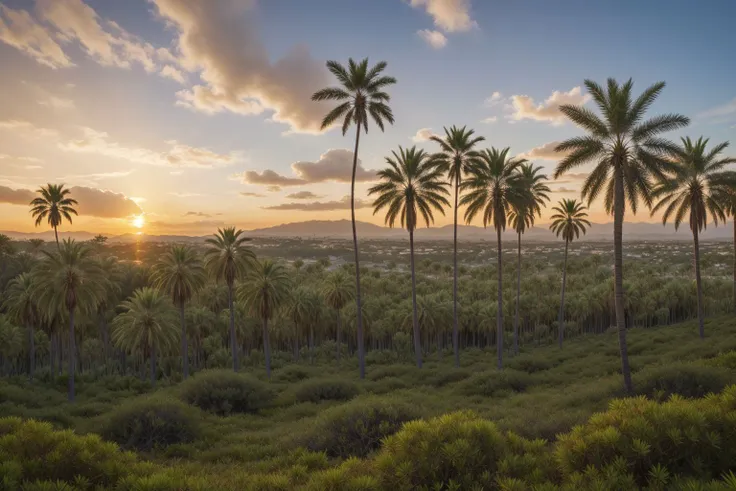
<point>153,365</point>
<point>415,319</point>
<point>618,266</point>
<point>184,347</point>
<point>499,313</point>
<point>455,330</point>
<point>233,344</point>
<point>71,355</point>
<point>561,317</point>
<point>698,283</point>
<point>32,352</point>
<point>734,263</point>
<point>267,347</point>
<point>311,345</point>
<point>296,342</point>
<point>361,353</point>
<point>56,234</point>
<point>518,295</point>
<point>337,335</point>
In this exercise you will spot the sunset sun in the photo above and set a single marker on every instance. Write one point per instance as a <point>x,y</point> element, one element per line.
<point>138,221</point>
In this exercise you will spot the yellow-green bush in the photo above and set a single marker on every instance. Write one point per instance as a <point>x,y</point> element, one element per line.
<point>687,380</point>
<point>224,391</point>
<point>332,389</point>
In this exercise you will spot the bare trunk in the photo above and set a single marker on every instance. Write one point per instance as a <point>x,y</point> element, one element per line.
<point>311,345</point>
<point>561,317</point>
<point>267,347</point>
<point>32,352</point>
<point>618,266</point>
<point>499,313</point>
<point>734,263</point>
<point>455,330</point>
<point>184,347</point>
<point>337,335</point>
<point>71,355</point>
<point>698,283</point>
<point>153,365</point>
<point>361,354</point>
<point>518,295</point>
<point>296,342</point>
<point>233,344</point>
<point>56,234</point>
<point>415,318</point>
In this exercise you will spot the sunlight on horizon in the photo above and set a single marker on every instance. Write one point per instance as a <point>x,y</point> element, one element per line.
<point>138,221</point>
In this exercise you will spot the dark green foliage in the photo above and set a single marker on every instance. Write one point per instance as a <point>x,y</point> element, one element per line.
<point>357,428</point>
<point>685,380</point>
<point>150,423</point>
<point>223,392</point>
<point>494,382</point>
<point>447,377</point>
<point>291,373</point>
<point>333,389</point>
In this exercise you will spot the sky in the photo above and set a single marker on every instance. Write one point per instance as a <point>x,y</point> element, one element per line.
<point>182,116</point>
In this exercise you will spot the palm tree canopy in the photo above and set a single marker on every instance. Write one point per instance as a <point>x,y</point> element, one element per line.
<point>457,154</point>
<point>71,278</point>
<point>361,93</point>
<point>227,257</point>
<point>6,245</point>
<point>410,187</point>
<point>494,187</point>
<point>697,186</point>
<point>338,289</point>
<point>301,307</point>
<point>53,204</point>
<point>180,273</point>
<point>619,141</point>
<point>522,216</point>
<point>148,320</point>
<point>266,287</point>
<point>570,219</point>
<point>20,299</point>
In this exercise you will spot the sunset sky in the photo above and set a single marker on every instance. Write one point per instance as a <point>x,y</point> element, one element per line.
<point>181,116</point>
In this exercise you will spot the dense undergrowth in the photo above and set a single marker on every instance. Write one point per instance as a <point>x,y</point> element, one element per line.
<point>553,419</point>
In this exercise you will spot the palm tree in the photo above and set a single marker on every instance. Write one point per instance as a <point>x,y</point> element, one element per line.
<point>569,220</point>
<point>457,155</point>
<point>36,245</point>
<point>11,342</point>
<point>20,303</point>
<point>523,217</point>
<point>301,312</point>
<point>265,289</point>
<point>227,258</point>
<point>180,273</point>
<point>6,250</point>
<point>729,206</point>
<point>361,93</point>
<point>697,186</point>
<point>71,278</point>
<point>337,291</point>
<point>627,153</point>
<point>147,323</point>
<point>412,187</point>
<point>494,188</point>
<point>54,205</point>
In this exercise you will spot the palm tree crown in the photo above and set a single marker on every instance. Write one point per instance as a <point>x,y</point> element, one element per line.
<point>522,216</point>
<point>227,256</point>
<point>410,187</point>
<point>457,152</point>
<point>266,287</point>
<point>570,219</point>
<point>180,273</point>
<point>54,205</point>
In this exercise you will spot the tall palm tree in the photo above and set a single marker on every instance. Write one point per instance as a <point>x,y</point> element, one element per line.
<point>265,289</point>
<point>227,258</point>
<point>11,342</point>
<point>180,272</point>
<point>494,188</point>
<point>147,323</point>
<point>729,206</point>
<point>20,302</point>
<point>361,92</point>
<point>70,278</point>
<point>569,221</point>
<point>522,217</point>
<point>54,205</point>
<point>627,152</point>
<point>410,189</point>
<point>6,251</point>
<point>300,311</point>
<point>337,291</point>
<point>457,155</point>
<point>697,186</point>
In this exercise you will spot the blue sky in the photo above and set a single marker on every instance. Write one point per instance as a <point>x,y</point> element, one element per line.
<point>79,107</point>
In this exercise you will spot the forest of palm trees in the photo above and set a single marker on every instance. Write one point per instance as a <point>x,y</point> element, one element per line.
<point>195,302</point>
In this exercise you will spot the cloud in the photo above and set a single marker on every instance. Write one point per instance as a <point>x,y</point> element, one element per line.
<point>197,214</point>
<point>343,204</point>
<point>490,120</point>
<point>185,195</point>
<point>252,195</point>
<point>57,102</point>
<point>33,165</point>
<point>494,99</point>
<point>435,39</point>
<point>722,113</point>
<point>91,201</point>
<point>26,129</point>
<point>175,74</point>
<point>423,135</point>
<point>524,107</point>
<point>201,226</point>
<point>270,178</point>
<point>565,190</point>
<point>19,30</point>
<point>303,195</point>
<point>544,152</point>
<point>273,189</point>
<point>448,15</point>
<point>219,40</point>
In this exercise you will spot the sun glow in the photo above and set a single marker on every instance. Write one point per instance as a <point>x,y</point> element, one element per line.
<point>138,221</point>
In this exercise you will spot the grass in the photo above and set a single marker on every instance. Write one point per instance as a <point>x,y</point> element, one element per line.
<point>541,393</point>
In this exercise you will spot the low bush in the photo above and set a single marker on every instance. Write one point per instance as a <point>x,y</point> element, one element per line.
<point>223,392</point>
<point>357,428</point>
<point>390,371</point>
<point>686,380</point>
<point>494,382</point>
<point>332,389</point>
<point>446,377</point>
<point>153,422</point>
<point>291,374</point>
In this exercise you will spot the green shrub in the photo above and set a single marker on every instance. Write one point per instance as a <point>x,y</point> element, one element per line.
<point>386,385</point>
<point>530,363</point>
<point>149,423</point>
<point>291,374</point>
<point>725,360</point>
<point>357,428</point>
<point>333,389</point>
<point>494,382</point>
<point>223,392</point>
<point>682,379</point>
<point>447,376</point>
<point>390,371</point>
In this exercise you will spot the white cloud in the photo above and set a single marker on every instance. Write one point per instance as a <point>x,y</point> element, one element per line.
<point>544,152</point>
<point>524,107</point>
<point>722,113</point>
<point>185,195</point>
<point>175,74</point>
<point>490,120</point>
<point>435,39</point>
<point>343,204</point>
<point>422,135</point>
<point>494,99</point>
<point>57,102</point>
<point>448,15</point>
<point>19,30</point>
